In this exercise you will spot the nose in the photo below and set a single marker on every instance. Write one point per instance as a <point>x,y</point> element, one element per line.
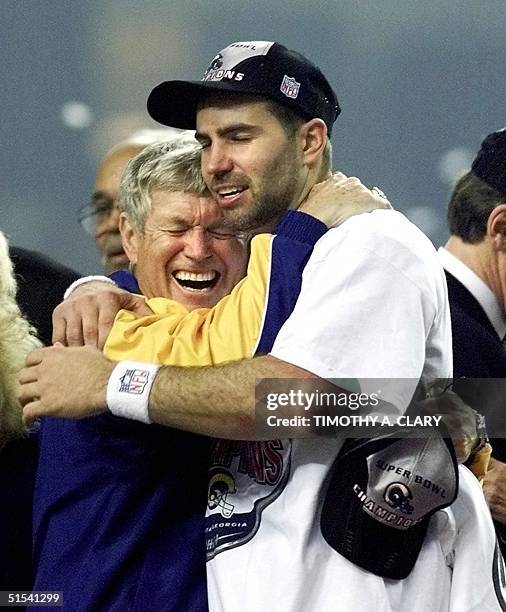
<point>216,160</point>
<point>197,245</point>
<point>108,223</point>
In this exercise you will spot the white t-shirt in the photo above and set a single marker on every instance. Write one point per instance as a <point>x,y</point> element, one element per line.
<point>373,304</point>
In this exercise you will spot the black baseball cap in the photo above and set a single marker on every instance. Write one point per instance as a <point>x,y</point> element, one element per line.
<point>490,163</point>
<point>260,68</point>
<point>382,493</point>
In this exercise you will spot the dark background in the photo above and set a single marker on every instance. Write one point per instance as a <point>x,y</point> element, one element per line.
<point>420,83</point>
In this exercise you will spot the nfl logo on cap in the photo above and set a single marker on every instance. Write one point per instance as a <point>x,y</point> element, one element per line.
<point>290,87</point>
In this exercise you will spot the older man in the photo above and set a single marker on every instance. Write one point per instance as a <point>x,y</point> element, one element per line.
<point>475,262</point>
<point>372,304</point>
<point>115,526</point>
<point>100,217</point>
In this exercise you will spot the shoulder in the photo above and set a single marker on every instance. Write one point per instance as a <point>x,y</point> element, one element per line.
<point>41,285</point>
<point>384,240</point>
<point>387,233</point>
<point>32,266</point>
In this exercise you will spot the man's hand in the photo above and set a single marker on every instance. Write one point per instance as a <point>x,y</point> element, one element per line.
<point>459,419</point>
<point>86,317</point>
<point>340,197</point>
<point>64,382</point>
<point>494,487</point>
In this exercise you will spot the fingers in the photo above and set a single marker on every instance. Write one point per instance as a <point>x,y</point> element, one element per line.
<point>89,321</point>
<point>35,357</point>
<point>88,318</point>
<point>27,375</point>
<point>68,322</point>
<point>28,392</point>
<point>31,412</point>
<point>106,316</point>
<point>340,197</point>
<point>59,326</point>
<point>137,304</point>
<point>378,192</point>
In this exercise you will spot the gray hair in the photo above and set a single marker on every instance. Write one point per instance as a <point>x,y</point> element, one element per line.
<point>147,136</point>
<point>172,165</point>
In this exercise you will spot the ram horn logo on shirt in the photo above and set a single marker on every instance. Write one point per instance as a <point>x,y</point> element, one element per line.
<point>221,483</point>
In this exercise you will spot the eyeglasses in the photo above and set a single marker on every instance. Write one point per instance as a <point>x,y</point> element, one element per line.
<point>98,211</point>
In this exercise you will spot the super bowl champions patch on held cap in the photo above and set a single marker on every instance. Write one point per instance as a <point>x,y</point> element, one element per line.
<point>381,495</point>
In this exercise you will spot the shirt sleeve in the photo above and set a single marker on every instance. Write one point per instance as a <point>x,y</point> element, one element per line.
<point>366,311</point>
<point>235,328</point>
<point>360,311</point>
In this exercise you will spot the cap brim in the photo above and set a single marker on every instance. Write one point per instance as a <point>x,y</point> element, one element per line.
<point>175,103</point>
<point>383,551</point>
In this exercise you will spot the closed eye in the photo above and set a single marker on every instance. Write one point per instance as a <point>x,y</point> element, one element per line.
<point>222,235</point>
<point>241,137</point>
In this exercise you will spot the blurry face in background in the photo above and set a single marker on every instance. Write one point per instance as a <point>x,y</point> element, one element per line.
<point>105,197</point>
<point>185,253</point>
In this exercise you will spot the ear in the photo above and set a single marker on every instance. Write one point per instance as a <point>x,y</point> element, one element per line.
<point>129,238</point>
<point>314,139</point>
<point>496,227</point>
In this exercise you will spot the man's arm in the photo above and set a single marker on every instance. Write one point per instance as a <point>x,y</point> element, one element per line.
<point>87,316</point>
<point>38,380</point>
<point>216,401</point>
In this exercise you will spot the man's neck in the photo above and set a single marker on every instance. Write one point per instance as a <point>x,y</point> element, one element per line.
<point>314,176</point>
<point>478,257</point>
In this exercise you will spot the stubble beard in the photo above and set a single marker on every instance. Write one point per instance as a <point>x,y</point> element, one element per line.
<point>275,195</point>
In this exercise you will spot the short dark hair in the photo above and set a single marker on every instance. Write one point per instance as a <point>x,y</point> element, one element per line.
<point>291,122</point>
<point>289,119</point>
<point>470,206</point>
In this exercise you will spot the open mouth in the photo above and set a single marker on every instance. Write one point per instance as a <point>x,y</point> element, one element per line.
<point>196,281</point>
<point>229,194</point>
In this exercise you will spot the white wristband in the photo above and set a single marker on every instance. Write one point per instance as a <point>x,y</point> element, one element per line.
<point>128,389</point>
<point>84,280</point>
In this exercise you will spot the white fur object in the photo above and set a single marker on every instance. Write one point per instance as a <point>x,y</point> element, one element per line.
<point>17,339</point>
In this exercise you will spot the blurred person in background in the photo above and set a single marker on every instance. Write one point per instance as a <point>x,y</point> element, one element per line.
<point>41,284</point>
<point>100,218</point>
<point>17,450</point>
<point>474,259</point>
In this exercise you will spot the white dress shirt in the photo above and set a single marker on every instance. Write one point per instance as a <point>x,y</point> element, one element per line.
<point>477,287</point>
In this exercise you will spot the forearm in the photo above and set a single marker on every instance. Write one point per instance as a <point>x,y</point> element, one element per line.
<point>215,401</point>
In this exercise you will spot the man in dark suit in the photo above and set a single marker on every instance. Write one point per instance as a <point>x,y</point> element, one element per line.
<point>474,259</point>
<point>41,284</point>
